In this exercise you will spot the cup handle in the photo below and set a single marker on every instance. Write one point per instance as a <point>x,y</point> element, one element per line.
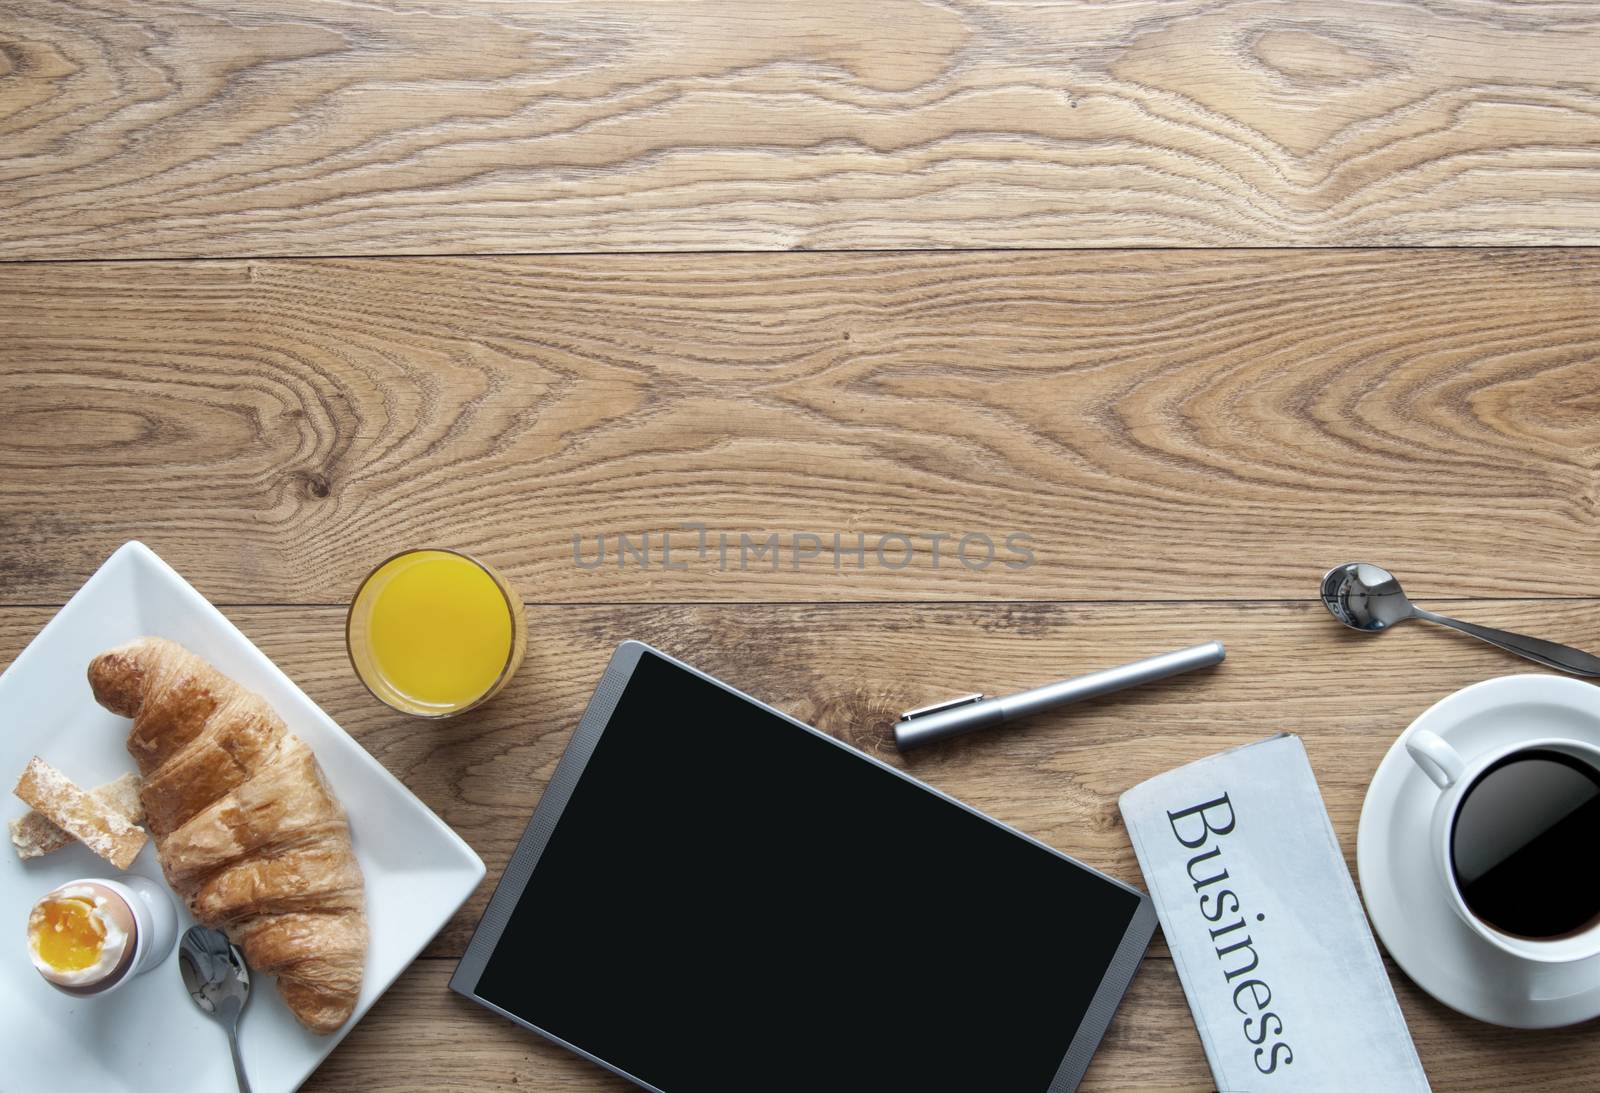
<point>1439,761</point>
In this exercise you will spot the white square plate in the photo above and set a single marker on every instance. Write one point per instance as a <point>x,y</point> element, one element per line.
<point>148,1035</point>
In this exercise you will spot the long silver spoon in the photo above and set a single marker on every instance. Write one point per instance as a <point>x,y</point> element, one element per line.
<point>1367,598</point>
<point>217,978</point>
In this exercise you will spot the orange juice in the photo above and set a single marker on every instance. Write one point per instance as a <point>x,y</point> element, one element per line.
<point>434,632</point>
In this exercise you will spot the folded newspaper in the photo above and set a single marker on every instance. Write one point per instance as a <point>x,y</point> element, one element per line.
<point>1268,936</point>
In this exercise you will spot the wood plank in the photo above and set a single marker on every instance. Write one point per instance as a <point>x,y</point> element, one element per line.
<point>851,669</point>
<point>174,128</point>
<point>1159,425</point>
<point>421,1037</point>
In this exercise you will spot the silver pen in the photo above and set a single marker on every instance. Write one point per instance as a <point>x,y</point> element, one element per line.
<point>969,713</point>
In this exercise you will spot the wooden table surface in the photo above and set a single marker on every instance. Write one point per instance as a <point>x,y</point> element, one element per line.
<point>1198,297</point>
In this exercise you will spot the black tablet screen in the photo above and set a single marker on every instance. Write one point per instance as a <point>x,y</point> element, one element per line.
<point>730,902</point>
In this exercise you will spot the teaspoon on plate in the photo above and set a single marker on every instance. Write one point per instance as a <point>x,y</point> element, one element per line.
<point>1367,598</point>
<point>219,981</point>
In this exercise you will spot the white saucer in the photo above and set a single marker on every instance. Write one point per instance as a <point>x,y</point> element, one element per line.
<point>1400,883</point>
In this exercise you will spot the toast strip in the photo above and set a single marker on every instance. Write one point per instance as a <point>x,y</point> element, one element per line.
<point>108,834</point>
<point>34,835</point>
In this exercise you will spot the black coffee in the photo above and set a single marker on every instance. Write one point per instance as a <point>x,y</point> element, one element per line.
<point>1524,841</point>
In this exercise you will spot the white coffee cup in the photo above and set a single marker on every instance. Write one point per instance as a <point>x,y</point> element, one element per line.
<point>1552,967</point>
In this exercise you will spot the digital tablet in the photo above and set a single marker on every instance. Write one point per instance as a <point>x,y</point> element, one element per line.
<point>714,896</point>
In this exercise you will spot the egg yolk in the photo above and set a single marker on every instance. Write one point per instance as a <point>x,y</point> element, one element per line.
<point>68,934</point>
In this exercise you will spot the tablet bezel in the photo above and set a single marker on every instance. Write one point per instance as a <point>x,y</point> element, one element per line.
<point>519,870</point>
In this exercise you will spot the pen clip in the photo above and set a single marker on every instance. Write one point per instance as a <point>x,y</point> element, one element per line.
<point>947,704</point>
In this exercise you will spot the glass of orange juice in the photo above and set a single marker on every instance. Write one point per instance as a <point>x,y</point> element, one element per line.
<point>435,632</point>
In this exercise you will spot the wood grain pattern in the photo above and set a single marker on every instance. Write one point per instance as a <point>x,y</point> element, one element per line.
<point>1187,438</point>
<point>1160,425</point>
<point>174,128</point>
<point>850,669</point>
<point>421,1038</point>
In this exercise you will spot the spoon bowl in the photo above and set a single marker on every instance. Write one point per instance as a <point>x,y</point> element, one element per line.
<point>1365,597</point>
<point>217,978</point>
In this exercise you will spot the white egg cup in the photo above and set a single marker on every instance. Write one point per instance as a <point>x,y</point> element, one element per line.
<point>155,923</point>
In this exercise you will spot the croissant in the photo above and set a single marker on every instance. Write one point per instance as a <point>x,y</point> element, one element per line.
<point>248,832</point>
